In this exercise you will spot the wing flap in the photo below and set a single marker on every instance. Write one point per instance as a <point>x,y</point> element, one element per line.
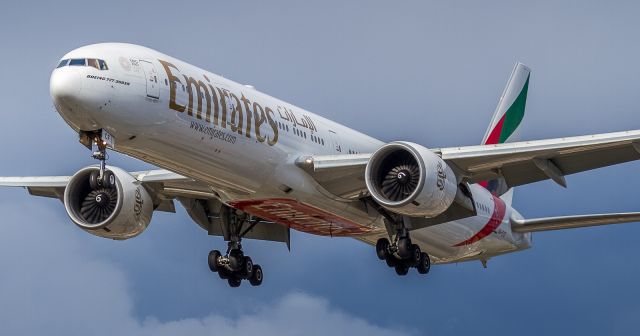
<point>572,222</point>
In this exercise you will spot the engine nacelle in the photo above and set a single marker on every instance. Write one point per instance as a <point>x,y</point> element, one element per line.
<point>409,179</point>
<point>119,212</point>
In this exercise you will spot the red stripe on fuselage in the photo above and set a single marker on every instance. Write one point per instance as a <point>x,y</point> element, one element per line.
<point>499,211</point>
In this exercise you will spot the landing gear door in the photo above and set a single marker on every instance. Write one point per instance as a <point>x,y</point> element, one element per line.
<point>151,75</point>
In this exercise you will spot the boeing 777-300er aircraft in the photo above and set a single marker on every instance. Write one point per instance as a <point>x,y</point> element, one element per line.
<point>246,165</point>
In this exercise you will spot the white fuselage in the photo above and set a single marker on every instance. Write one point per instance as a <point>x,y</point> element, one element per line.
<point>244,144</point>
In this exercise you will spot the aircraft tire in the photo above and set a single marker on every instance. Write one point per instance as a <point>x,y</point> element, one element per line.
<point>234,282</point>
<point>93,180</point>
<point>392,261</point>
<point>425,264</point>
<point>247,268</point>
<point>213,260</point>
<point>405,248</point>
<point>257,276</point>
<point>402,269</point>
<point>416,255</point>
<point>382,248</point>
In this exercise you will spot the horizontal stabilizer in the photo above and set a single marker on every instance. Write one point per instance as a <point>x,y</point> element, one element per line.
<point>572,222</point>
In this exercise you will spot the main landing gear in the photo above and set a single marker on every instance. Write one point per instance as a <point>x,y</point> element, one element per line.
<point>402,254</point>
<point>235,266</point>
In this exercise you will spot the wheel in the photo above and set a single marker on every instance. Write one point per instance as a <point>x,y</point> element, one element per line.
<point>109,179</point>
<point>213,260</point>
<point>392,261</point>
<point>234,282</point>
<point>382,248</point>
<point>425,264</point>
<point>256,277</point>
<point>404,248</point>
<point>236,257</point>
<point>416,255</point>
<point>93,180</point>
<point>247,269</point>
<point>402,269</point>
<point>224,273</point>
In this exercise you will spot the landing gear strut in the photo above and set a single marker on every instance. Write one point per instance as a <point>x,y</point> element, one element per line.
<point>402,254</point>
<point>234,265</point>
<point>101,178</point>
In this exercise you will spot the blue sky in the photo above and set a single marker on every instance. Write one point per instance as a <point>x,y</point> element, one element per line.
<point>423,71</point>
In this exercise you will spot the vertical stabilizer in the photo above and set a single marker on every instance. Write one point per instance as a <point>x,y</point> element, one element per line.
<point>510,111</point>
<point>507,118</point>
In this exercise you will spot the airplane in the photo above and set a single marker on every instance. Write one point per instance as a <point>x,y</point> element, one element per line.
<point>246,165</point>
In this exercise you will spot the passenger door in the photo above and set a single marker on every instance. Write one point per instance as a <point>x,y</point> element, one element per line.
<point>151,75</point>
<point>337,147</point>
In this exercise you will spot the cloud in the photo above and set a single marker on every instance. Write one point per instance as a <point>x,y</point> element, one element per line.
<point>295,314</point>
<point>53,282</point>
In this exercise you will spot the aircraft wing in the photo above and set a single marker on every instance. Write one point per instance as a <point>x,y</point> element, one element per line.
<point>518,162</point>
<point>165,186</point>
<point>531,161</point>
<point>571,222</point>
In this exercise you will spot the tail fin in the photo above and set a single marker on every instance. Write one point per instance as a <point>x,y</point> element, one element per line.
<point>507,118</point>
<point>510,110</point>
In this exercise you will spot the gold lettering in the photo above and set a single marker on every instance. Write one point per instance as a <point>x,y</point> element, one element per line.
<point>214,99</point>
<point>223,103</point>
<point>172,86</point>
<point>236,114</point>
<point>199,87</point>
<point>247,111</point>
<point>274,126</point>
<point>259,117</point>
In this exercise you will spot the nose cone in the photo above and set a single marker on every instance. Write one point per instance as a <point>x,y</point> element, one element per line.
<point>65,87</point>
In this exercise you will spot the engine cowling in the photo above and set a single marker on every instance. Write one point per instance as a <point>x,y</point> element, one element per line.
<point>119,212</point>
<point>409,179</point>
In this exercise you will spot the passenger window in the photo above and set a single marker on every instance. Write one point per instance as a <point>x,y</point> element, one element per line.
<point>92,62</point>
<point>62,63</point>
<point>103,65</point>
<point>77,62</point>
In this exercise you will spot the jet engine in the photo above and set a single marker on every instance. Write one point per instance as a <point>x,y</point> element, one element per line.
<point>119,208</point>
<point>409,179</point>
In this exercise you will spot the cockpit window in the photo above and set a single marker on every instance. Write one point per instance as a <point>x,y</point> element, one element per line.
<point>63,63</point>
<point>77,62</point>
<point>92,62</point>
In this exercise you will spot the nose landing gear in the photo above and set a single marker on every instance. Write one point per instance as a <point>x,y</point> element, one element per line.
<point>99,139</point>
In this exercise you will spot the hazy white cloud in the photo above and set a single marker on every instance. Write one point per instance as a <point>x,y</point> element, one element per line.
<point>295,314</point>
<point>52,283</point>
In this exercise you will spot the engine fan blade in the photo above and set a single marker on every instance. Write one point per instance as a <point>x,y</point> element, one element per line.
<point>99,204</point>
<point>401,180</point>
